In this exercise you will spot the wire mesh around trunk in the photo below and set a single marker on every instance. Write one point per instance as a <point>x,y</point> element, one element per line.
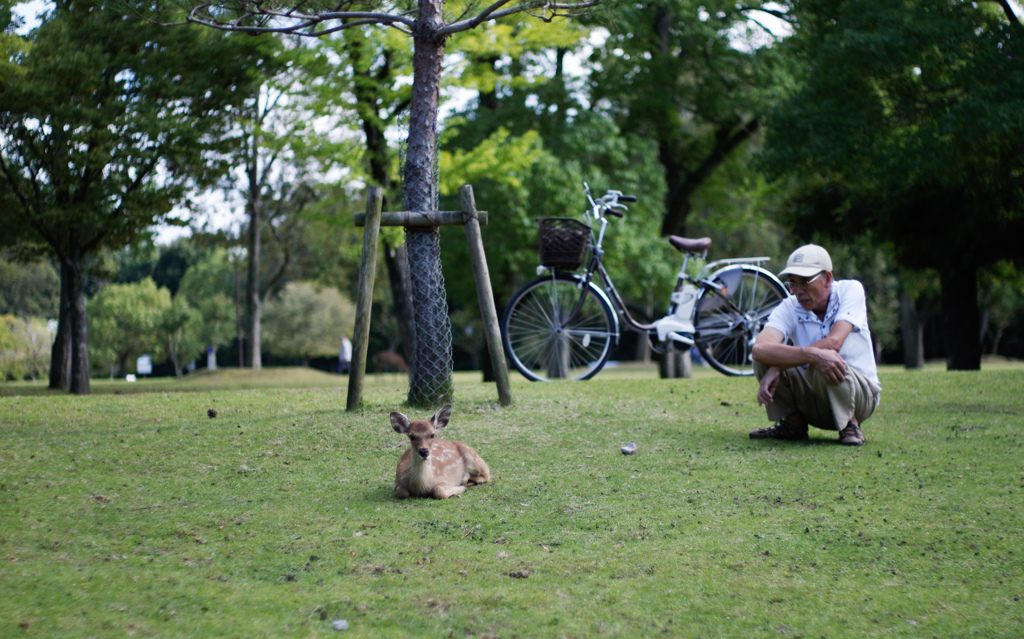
<point>430,376</point>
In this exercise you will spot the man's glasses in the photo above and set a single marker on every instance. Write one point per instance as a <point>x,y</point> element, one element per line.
<point>792,284</point>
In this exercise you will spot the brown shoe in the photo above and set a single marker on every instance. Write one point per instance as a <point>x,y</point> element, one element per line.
<point>781,430</point>
<point>851,435</point>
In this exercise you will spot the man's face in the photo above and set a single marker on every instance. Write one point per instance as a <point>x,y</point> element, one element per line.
<point>811,292</point>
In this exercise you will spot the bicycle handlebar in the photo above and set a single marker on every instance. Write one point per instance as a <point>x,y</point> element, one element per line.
<point>609,202</point>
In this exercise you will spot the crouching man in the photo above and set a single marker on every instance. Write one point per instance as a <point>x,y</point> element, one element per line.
<point>827,377</point>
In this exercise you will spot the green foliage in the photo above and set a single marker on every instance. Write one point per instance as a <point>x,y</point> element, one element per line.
<point>126,322</point>
<point>307,321</point>
<point>500,157</point>
<point>683,75</point>
<point>209,288</point>
<point>907,122</point>
<point>734,208</point>
<point>468,334</point>
<point>183,331</point>
<point>486,55</point>
<point>916,140</point>
<point>513,204</point>
<point>292,140</point>
<point>516,195</point>
<point>24,348</point>
<point>277,516</point>
<point>104,104</point>
<point>518,68</point>
<point>29,290</point>
<point>109,121</point>
<point>290,126</point>
<point>10,367</point>
<point>328,247</point>
<point>1002,302</point>
<point>363,76</point>
<point>602,130</point>
<point>875,268</point>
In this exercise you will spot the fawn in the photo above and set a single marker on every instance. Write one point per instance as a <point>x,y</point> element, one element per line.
<point>433,467</point>
<point>389,361</point>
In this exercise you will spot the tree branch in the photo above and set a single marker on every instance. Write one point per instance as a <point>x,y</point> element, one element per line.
<point>302,24</point>
<point>495,12</point>
<point>313,24</point>
<point>480,17</point>
<point>11,180</point>
<point>275,279</point>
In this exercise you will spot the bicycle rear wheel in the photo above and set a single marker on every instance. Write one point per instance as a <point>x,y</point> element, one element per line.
<point>544,343</point>
<point>728,322</point>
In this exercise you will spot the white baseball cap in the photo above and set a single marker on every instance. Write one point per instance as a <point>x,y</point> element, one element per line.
<point>807,261</point>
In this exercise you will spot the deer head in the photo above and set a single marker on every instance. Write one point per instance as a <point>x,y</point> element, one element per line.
<point>421,432</point>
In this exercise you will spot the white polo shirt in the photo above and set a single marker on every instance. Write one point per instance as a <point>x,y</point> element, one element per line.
<point>847,303</point>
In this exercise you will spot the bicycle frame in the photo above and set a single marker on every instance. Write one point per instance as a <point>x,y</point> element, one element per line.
<point>677,326</point>
<point>566,325</point>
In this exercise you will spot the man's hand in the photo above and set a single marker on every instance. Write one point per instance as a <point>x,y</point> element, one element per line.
<point>769,382</point>
<point>831,366</point>
<point>771,349</point>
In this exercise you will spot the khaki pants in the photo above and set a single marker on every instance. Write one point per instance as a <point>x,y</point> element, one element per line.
<point>825,406</point>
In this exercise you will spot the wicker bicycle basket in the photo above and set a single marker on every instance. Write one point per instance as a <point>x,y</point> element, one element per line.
<point>563,242</point>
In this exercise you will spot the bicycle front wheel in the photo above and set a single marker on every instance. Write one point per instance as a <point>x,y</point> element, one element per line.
<point>546,341</point>
<point>728,321</point>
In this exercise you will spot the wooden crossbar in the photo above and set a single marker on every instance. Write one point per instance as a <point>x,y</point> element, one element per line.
<point>421,220</point>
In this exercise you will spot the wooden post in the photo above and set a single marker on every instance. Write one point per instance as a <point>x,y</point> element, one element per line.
<point>485,295</point>
<point>367,270</point>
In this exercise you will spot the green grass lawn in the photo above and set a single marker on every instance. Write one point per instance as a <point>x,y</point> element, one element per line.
<point>131,512</point>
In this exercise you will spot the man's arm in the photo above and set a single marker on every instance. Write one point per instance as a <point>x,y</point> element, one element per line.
<point>771,349</point>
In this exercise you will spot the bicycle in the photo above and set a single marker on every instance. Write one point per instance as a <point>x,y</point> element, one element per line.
<point>563,325</point>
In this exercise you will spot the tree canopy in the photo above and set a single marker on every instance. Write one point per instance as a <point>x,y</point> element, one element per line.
<point>108,121</point>
<point>690,76</point>
<point>908,124</point>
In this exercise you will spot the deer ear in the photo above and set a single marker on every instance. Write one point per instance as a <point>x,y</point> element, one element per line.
<point>400,423</point>
<point>442,416</point>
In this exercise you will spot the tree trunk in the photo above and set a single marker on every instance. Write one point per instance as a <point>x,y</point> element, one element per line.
<point>912,332</point>
<point>176,363</point>
<point>253,305</point>
<point>961,316</point>
<point>996,339</point>
<point>643,350</point>
<point>487,365</point>
<point>398,277</point>
<point>79,330</point>
<point>682,183</point>
<point>60,355</point>
<point>675,365</point>
<point>430,378</point>
<point>677,195</point>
